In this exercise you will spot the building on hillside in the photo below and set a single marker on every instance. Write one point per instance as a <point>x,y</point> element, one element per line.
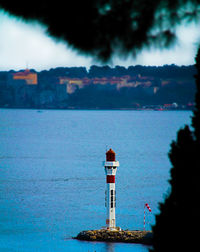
<point>73,83</point>
<point>22,86</point>
<point>29,77</point>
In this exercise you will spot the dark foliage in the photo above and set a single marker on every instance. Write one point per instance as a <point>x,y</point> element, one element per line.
<point>102,27</point>
<point>107,97</point>
<point>196,117</point>
<point>166,71</point>
<point>181,93</point>
<point>177,224</point>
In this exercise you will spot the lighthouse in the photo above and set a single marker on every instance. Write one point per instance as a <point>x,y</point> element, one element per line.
<point>110,166</point>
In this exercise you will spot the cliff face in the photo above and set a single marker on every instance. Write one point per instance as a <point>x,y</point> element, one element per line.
<point>143,237</point>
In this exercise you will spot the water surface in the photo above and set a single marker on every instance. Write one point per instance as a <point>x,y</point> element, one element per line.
<point>52,181</point>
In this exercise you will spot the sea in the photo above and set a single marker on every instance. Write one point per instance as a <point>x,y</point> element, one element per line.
<point>52,180</point>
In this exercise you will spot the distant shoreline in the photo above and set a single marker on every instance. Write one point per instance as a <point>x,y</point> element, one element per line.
<point>119,109</point>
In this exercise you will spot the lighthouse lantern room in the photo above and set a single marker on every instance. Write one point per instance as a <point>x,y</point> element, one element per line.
<point>110,195</point>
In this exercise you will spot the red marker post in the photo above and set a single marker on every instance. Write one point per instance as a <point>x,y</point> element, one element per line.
<point>148,207</point>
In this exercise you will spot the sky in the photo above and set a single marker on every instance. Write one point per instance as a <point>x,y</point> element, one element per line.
<point>27,45</point>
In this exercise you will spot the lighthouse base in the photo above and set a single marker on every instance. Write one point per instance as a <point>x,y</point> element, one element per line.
<point>128,236</point>
<point>112,228</point>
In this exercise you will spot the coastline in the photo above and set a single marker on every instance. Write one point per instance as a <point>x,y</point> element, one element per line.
<point>96,109</point>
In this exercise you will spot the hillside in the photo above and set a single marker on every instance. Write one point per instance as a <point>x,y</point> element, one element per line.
<point>135,87</point>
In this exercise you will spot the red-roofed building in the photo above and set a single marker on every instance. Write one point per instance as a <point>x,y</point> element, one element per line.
<point>27,75</point>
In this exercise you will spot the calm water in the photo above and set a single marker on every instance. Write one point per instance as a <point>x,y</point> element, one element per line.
<point>52,181</point>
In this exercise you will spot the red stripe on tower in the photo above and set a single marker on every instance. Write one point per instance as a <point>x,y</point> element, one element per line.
<point>110,179</point>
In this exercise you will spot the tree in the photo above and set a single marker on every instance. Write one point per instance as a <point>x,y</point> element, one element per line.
<point>103,27</point>
<point>100,71</point>
<point>176,227</point>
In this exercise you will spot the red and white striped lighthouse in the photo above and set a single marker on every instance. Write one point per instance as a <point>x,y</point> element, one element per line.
<point>110,169</point>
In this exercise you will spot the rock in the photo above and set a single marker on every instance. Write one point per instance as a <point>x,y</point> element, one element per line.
<point>93,237</point>
<point>132,236</point>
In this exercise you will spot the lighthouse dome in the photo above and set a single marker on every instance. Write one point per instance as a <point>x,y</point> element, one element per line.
<point>110,155</point>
